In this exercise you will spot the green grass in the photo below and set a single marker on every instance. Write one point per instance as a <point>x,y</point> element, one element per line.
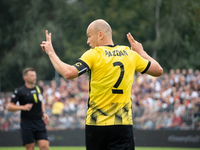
<point>83,148</point>
<point>165,148</point>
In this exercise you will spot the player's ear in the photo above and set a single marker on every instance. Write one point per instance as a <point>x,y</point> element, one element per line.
<point>24,77</point>
<point>100,35</point>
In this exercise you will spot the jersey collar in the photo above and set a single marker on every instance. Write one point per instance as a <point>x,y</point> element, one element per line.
<point>111,45</point>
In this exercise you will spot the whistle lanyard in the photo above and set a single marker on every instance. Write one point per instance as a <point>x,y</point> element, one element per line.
<point>35,95</point>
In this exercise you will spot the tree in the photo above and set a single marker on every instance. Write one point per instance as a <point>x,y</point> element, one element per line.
<point>169,31</point>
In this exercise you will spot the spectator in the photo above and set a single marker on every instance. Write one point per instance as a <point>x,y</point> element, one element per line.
<point>5,125</point>
<point>53,123</point>
<point>1,109</point>
<point>81,113</point>
<point>190,75</point>
<point>176,122</point>
<point>161,120</point>
<point>69,107</point>
<point>57,108</point>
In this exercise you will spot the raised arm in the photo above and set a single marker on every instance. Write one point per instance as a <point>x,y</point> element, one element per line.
<point>155,69</point>
<point>66,70</point>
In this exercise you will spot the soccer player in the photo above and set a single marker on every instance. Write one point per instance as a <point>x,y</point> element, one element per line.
<point>33,114</point>
<point>111,71</point>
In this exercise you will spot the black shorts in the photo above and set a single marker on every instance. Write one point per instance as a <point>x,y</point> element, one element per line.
<point>116,137</point>
<point>33,130</point>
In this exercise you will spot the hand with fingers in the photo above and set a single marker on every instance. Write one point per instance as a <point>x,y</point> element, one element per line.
<point>135,46</point>
<point>47,45</point>
<point>45,118</point>
<point>27,107</point>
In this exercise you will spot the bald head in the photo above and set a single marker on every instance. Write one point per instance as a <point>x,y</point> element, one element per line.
<point>100,30</point>
<point>101,25</point>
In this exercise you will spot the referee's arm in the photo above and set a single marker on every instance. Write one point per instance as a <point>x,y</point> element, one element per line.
<point>13,107</point>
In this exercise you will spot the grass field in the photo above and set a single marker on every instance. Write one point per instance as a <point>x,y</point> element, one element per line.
<point>83,148</point>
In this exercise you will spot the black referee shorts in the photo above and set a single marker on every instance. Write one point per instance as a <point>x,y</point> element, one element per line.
<point>116,137</point>
<point>32,130</point>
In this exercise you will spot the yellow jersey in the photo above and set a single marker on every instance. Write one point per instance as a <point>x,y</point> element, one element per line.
<point>111,72</point>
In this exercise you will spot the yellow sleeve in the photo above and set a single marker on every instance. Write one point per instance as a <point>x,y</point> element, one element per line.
<point>88,58</point>
<point>142,65</point>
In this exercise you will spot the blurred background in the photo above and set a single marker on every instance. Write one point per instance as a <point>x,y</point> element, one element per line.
<point>168,29</point>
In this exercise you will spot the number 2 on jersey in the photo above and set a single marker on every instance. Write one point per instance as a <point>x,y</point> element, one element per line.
<point>118,91</point>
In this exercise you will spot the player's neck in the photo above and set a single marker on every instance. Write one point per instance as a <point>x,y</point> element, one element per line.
<point>29,86</point>
<point>107,42</point>
<point>112,44</point>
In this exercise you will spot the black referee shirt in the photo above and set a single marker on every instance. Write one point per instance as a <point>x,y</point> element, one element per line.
<point>24,95</point>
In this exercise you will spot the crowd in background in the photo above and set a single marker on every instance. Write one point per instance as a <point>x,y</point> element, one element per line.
<point>169,102</point>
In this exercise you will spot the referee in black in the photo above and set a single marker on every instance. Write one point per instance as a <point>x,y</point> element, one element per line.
<point>33,116</point>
